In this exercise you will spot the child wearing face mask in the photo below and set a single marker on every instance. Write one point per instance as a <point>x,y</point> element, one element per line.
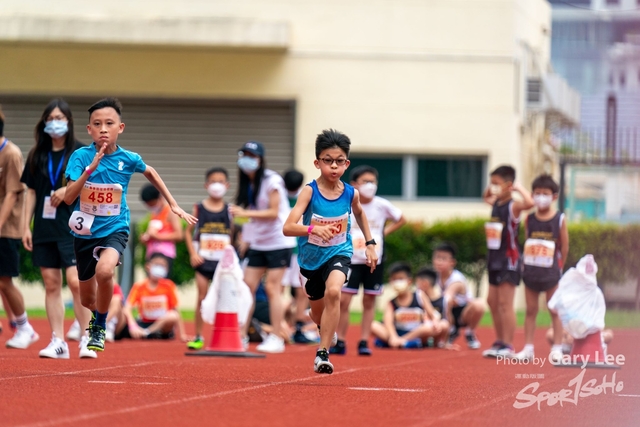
<point>545,252</point>
<point>409,319</point>
<point>384,218</point>
<point>207,239</point>
<point>165,227</point>
<point>156,300</point>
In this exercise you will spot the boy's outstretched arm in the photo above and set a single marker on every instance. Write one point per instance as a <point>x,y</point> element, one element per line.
<point>75,187</point>
<point>361,219</point>
<point>153,177</point>
<point>525,204</point>
<point>489,198</point>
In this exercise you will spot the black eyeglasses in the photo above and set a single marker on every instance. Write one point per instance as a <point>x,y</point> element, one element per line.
<point>329,161</point>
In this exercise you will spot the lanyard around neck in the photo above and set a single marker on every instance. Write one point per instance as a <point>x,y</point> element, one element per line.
<point>54,178</point>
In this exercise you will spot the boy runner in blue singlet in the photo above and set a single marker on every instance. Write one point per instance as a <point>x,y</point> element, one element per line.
<point>325,247</point>
<point>99,175</point>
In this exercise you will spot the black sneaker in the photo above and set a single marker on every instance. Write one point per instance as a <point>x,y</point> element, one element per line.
<point>472,341</point>
<point>340,348</point>
<point>363,349</point>
<point>97,335</point>
<point>453,334</point>
<point>321,364</point>
<point>300,338</point>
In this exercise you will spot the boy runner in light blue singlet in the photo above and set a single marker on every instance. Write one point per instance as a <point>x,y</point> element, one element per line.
<point>325,247</point>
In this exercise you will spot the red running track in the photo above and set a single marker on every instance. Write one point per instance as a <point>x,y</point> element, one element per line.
<point>154,384</point>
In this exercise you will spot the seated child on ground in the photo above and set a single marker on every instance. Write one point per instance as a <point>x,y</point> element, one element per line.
<point>156,301</point>
<point>409,319</point>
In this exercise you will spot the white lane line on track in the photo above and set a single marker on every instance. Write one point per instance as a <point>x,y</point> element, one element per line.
<point>107,382</point>
<point>405,390</point>
<point>85,417</point>
<point>628,395</point>
<point>57,374</point>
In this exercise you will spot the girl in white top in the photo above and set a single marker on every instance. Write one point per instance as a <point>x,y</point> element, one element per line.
<point>262,198</point>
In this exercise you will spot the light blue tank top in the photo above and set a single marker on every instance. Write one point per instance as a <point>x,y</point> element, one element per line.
<point>313,251</point>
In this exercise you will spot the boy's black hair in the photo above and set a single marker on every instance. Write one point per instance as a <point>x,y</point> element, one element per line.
<point>505,172</point>
<point>398,267</point>
<point>107,103</point>
<point>447,247</point>
<point>332,138</point>
<point>546,182</point>
<point>428,273</point>
<point>216,169</point>
<point>1,122</point>
<point>358,171</point>
<point>158,255</point>
<point>293,180</point>
<point>149,193</point>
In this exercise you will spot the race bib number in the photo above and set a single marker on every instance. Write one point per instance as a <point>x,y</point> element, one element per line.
<point>359,244</point>
<point>48,211</point>
<point>341,222</point>
<point>80,223</point>
<point>539,253</point>
<point>101,199</point>
<point>211,246</point>
<point>153,307</point>
<point>493,230</point>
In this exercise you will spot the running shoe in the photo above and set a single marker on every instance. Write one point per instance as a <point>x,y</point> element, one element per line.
<point>414,343</point>
<point>524,356</point>
<point>57,349</point>
<point>472,340</point>
<point>555,355</point>
<point>453,334</point>
<point>23,338</point>
<point>506,351</point>
<point>493,351</point>
<point>74,333</point>
<point>339,348</point>
<point>273,344</point>
<point>97,337</point>
<point>196,344</point>
<point>363,348</point>
<point>321,364</point>
<point>300,338</point>
<point>85,353</point>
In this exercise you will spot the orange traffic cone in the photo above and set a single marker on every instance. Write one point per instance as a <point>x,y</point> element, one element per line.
<point>225,337</point>
<point>588,352</point>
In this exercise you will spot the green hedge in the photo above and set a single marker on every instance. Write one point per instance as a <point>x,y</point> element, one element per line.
<point>613,246</point>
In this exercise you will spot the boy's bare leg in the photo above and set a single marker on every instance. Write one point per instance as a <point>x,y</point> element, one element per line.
<point>472,313</point>
<point>506,293</point>
<point>379,331</point>
<point>531,298</point>
<point>343,323</point>
<point>328,308</point>
<point>52,278</point>
<point>496,315</point>
<point>556,323</point>
<point>166,323</point>
<point>273,288</point>
<point>203,286</point>
<point>109,258</point>
<point>368,312</point>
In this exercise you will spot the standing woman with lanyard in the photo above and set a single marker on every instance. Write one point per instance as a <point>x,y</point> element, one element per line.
<point>262,198</point>
<point>51,243</point>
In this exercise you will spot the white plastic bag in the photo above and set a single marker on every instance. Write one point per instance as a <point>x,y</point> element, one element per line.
<point>228,293</point>
<point>578,301</point>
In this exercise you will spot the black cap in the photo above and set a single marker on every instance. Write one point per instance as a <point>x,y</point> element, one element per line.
<point>253,147</point>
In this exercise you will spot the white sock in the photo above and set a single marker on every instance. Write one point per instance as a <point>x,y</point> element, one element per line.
<point>556,347</point>
<point>469,331</point>
<point>528,348</point>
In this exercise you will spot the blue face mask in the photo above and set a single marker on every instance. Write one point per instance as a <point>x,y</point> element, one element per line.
<point>56,128</point>
<point>248,164</point>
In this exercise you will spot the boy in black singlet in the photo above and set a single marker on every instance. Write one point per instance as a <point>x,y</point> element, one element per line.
<point>503,259</point>
<point>207,239</point>
<point>545,251</point>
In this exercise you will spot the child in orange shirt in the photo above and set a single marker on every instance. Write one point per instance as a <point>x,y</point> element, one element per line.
<point>156,300</point>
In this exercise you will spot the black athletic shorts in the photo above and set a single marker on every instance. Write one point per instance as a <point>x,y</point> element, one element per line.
<point>279,258</point>
<point>9,257</point>
<point>54,254</point>
<point>540,287</point>
<point>496,277</point>
<point>208,273</point>
<point>317,279</point>
<point>456,312</point>
<point>88,252</point>
<point>361,274</point>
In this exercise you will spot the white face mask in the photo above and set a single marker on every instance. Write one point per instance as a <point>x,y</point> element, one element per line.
<point>542,201</point>
<point>400,285</point>
<point>368,190</point>
<point>248,164</point>
<point>158,271</point>
<point>495,189</point>
<point>56,128</point>
<point>217,190</point>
